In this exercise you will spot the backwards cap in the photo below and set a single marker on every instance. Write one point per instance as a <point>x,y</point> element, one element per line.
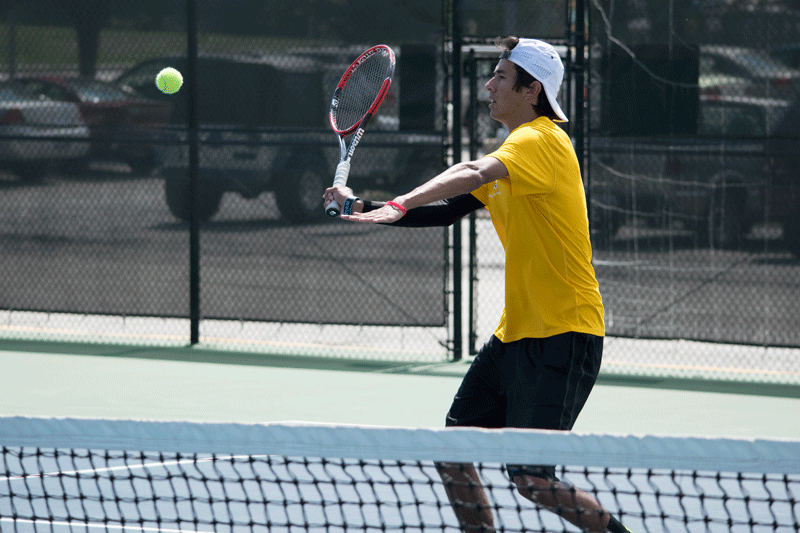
<point>540,60</point>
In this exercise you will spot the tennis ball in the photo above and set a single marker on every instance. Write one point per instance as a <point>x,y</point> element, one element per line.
<point>169,80</point>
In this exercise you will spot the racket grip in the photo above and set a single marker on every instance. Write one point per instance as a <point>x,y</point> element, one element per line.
<point>339,180</point>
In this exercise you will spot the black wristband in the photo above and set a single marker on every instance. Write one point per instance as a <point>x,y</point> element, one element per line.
<point>347,209</point>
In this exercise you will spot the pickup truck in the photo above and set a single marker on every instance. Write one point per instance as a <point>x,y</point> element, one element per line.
<point>262,127</point>
<point>296,166</point>
<point>740,169</point>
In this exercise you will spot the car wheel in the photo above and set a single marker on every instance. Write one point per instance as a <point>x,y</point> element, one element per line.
<point>299,193</point>
<point>75,167</point>
<point>142,166</point>
<point>32,171</point>
<point>177,195</point>
<point>724,225</point>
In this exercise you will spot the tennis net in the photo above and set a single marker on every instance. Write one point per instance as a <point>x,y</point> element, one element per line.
<point>62,474</point>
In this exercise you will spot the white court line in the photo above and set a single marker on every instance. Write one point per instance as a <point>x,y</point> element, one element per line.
<point>107,527</point>
<point>130,467</point>
<point>104,527</point>
<point>107,469</point>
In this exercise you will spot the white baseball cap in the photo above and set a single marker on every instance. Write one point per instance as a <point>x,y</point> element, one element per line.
<point>540,60</point>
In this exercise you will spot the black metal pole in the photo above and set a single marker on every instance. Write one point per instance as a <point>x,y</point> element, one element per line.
<point>12,44</point>
<point>579,130</point>
<point>472,335</point>
<point>456,125</point>
<point>582,86</point>
<point>194,221</point>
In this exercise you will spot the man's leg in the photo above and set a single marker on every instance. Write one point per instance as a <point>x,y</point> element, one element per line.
<point>552,381</point>
<point>467,496</point>
<point>574,505</point>
<point>479,402</point>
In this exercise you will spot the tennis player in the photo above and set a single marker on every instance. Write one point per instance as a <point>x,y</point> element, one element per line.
<point>539,366</point>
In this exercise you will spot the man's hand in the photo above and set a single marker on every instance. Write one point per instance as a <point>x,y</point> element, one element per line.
<point>340,194</point>
<point>384,215</point>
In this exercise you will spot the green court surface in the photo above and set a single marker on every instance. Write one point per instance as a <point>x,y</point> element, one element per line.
<point>86,380</point>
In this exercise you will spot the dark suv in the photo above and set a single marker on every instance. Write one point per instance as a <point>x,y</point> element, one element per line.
<point>262,127</point>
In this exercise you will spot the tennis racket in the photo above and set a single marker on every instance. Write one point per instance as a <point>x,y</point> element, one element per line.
<point>358,96</point>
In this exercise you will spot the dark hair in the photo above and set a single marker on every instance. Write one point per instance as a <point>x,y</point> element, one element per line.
<point>525,79</point>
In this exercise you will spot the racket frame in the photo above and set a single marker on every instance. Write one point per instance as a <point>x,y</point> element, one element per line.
<point>356,130</point>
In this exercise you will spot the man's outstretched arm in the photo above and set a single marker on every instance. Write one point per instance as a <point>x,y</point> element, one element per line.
<point>459,179</point>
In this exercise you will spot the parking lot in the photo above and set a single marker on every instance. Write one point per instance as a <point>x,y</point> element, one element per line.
<point>106,243</point>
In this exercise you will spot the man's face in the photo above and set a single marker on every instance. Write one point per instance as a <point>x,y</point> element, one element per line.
<point>506,104</point>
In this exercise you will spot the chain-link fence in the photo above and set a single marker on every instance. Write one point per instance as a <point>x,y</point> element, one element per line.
<point>690,154</point>
<point>97,240</point>
<point>691,172</point>
<point>693,182</point>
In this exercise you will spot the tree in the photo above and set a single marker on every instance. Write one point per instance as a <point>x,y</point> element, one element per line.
<point>90,17</point>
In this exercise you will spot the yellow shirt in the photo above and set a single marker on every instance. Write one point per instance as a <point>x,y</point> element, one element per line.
<point>539,213</point>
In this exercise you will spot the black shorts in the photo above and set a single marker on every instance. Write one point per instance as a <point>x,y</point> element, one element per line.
<point>529,383</point>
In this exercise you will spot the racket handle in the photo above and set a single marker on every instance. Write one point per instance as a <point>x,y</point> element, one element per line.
<point>339,180</point>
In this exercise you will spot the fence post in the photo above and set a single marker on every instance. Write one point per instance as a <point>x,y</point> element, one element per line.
<point>194,219</point>
<point>472,320</point>
<point>579,69</point>
<point>456,102</point>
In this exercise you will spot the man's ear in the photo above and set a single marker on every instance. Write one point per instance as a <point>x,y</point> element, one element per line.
<point>532,93</point>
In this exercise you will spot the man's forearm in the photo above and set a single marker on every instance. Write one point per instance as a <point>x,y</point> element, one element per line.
<point>441,213</point>
<point>459,179</point>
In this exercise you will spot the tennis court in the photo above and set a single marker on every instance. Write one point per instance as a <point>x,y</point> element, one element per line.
<point>368,481</point>
<point>161,383</point>
<point>212,492</point>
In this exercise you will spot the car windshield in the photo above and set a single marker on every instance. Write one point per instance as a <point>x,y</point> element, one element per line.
<point>145,74</point>
<point>758,62</point>
<point>11,94</point>
<point>92,91</point>
<point>754,62</point>
<point>11,91</point>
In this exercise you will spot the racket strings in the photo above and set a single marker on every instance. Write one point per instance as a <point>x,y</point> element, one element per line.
<point>361,90</point>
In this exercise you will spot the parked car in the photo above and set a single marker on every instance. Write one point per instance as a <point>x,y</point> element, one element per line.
<point>740,169</point>
<point>120,120</point>
<point>38,133</point>
<point>739,116</point>
<point>263,127</point>
<point>767,77</point>
<point>723,85</point>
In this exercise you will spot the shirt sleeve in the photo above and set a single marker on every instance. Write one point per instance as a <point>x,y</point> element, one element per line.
<point>441,213</point>
<point>526,155</point>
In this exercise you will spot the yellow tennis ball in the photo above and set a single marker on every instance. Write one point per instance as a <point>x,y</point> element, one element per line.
<point>169,80</point>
